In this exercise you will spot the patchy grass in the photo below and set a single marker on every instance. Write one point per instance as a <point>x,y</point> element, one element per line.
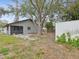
<point>6,39</point>
<point>4,51</point>
<point>41,48</point>
<point>15,48</point>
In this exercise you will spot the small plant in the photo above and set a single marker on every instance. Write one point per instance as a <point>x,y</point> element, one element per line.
<point>65,38</point>
<point>75,43</point>
<point>4,51</point>
<point>39,54</point>
<point>62,38</point>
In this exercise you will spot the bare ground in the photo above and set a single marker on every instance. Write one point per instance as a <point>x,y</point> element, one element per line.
<point>53,50</point>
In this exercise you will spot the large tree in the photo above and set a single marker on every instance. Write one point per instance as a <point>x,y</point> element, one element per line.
<point>2,11</point>
<point>40,9</point>
<point>15,9</point>
<point>3,23</point>
<point>72,12</point>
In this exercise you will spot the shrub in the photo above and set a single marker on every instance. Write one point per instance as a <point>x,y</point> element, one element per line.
<point>74,42</point>
<point>62,38</point>
<point>49,26</point>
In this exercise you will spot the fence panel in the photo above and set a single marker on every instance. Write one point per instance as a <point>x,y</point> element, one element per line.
<point>70,26</point>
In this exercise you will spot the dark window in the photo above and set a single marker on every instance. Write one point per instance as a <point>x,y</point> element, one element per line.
<point>16,28</point>
<point>29,28</point>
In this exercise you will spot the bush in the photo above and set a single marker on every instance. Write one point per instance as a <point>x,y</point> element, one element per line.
<point>61,39</point>
<point>66,39</point>
<point>49,26</point>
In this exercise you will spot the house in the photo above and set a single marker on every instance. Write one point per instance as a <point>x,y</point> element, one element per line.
<point>1,29</point>
<point>21,27</point>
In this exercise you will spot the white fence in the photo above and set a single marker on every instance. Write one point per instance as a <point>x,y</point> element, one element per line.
<point>71,26</point>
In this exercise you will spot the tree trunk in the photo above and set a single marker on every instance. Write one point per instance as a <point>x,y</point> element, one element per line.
<point>40,23</point>
<point>17,12</point>
<point>39,29</point>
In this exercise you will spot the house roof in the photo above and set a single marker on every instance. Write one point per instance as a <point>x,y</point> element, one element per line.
<point>18,22</point>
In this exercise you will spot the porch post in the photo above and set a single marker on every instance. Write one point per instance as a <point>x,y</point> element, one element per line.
<point>9,30</point>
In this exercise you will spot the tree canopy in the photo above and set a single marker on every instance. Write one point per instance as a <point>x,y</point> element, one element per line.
<point>3,23</point>
<point>40,9</point>
<point>3,11</point>
<point>73,11</point>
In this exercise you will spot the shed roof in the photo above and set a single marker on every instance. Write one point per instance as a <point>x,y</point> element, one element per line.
<point>18,22</point>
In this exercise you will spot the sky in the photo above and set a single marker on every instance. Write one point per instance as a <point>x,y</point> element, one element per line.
<point>4,4</point>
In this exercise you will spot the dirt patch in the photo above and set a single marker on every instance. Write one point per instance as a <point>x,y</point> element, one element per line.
<point>53,50</point>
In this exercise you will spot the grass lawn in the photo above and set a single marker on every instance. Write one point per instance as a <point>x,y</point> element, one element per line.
<point>42,48</point>
<point>15,48</point>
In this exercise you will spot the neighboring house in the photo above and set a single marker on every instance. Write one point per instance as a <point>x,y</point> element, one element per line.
<point>21,27</point>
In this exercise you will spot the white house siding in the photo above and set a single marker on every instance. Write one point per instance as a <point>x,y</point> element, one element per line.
<point>25,25</point>
<point>1,29</point>
<point>5,30</point>
<point>71,26</point>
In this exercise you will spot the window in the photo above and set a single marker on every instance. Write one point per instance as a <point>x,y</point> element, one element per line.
<point>29,28</point>
<point>16,27</point>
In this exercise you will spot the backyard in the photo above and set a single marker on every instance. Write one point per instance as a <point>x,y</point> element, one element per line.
<point>55,21</point>
<point>43,47</point>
